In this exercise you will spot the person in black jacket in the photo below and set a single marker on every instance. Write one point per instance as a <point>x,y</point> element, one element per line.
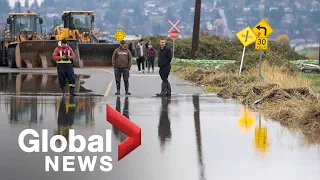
<point>164,63</point>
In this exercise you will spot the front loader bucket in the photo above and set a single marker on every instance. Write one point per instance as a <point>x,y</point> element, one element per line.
<point>96,55</point>
<point>35,54</point>
<point>74,45</point>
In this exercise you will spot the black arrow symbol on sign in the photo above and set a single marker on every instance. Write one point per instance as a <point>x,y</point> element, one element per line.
<point>265,29</point>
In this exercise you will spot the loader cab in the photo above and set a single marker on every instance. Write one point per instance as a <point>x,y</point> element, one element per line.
<point>78,20</point>
<point>23,23</point>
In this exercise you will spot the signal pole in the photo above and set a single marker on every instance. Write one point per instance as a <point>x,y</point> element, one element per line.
<point>196,29</point>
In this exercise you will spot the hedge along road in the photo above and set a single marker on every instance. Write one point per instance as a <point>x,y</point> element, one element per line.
<point>186,137</point>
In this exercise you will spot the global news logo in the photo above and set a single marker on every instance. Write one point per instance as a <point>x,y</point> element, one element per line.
<point>94,144</point>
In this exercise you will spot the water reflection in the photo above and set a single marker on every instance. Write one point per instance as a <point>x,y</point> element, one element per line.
<point>196,115</point>
<point>246,120</point>
<point>261,137</point>
<point>66,116</point>
<point>20,83</point>
<point>164,129</point>
<point>120,135</point>
<point>32,110</point>
<point>23,110</point>
<point>85,106</point>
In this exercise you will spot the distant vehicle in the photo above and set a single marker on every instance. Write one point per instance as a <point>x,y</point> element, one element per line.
<point>78,28</point>
<point>104,38</point>
<point>22,46</point>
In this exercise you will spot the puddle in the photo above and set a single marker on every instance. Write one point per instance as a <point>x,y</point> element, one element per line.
<point>206,137</point>
<point>33,83</point>
<point>33,110</point>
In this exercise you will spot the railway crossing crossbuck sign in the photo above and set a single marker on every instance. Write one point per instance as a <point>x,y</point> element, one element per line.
<point>174,26</point>
<point>174,32</point>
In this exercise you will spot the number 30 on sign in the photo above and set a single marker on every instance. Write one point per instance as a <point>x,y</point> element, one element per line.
<point>261,43</point>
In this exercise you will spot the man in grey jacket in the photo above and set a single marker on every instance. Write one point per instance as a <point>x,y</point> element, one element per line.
<point>141,53</point>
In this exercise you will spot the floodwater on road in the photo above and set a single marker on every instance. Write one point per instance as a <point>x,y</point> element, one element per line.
<point>185,137</point>
<point>36,84</point>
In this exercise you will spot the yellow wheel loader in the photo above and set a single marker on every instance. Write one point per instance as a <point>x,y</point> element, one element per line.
<point>78,28</point>
<point>22,46</point>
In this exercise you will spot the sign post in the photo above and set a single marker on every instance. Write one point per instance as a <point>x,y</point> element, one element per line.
<point>262,29</point>
<point>174,33</point>
<point>119,35</point>
<point>246,37</point>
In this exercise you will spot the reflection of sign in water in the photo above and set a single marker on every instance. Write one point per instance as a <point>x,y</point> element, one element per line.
<point>247,120</point>
<point>261,138</point>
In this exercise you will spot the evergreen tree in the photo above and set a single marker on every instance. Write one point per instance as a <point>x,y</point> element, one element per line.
<point>169,14</point>
<point>35,6</point>
<point>4,6</point>
<point>48,3</point>
<point>26,3</point>
<point>17,6</point>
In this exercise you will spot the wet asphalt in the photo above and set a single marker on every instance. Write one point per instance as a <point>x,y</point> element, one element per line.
<point>192,135</point>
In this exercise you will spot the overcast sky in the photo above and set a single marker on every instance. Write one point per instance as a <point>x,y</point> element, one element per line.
<point>11,2</point>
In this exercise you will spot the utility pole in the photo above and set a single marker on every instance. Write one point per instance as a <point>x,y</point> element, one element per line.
<point>196,29</point>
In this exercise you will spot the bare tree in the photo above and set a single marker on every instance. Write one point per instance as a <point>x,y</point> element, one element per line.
<point>196,29</point>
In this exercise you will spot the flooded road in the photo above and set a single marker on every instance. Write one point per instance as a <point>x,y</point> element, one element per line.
<point>185,137</point>
<point>36,84</point>
<point>192,136</point>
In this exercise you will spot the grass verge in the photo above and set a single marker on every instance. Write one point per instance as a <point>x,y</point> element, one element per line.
<point>283,95</point>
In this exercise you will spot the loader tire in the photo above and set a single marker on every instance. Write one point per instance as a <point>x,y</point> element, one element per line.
<point>12,58</point>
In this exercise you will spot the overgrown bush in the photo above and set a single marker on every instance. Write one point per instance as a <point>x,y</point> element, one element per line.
<point>216,48</point>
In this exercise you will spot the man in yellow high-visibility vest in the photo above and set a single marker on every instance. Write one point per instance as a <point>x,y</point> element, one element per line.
<point>64,57</point>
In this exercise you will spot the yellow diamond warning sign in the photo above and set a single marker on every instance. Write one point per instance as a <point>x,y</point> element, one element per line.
<point>262,29</point>
<point>120,35</point>
<point>246,36</point>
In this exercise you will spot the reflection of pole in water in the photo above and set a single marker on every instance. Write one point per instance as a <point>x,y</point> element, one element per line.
<point>196,115</point>
<point>34,110</point>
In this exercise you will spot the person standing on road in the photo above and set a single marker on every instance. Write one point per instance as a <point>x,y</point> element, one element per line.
<point>151,53</point>
<point>147,46</point>
<point>141,55</point>
<point>121,61</point>
<point>164,63</point>
<point>64,57</point>
<point>132,48</point>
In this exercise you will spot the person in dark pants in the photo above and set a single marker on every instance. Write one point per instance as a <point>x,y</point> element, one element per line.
<point>147,46</point>
<point>141,55</point>
<point>151,53</point>
<point>66,117</point>
<point>164,63</point>
<point>121,61</point>
<point>125,113</point>
<point>64,57</point>
<point>132,48</point>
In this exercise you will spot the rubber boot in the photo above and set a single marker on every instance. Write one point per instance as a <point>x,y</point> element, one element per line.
<point>63,92</point>
<point>163,90</point>
<point>118,89</point>
<point>73,91</point>
<point>126,86</point>
<point>168,89</point>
